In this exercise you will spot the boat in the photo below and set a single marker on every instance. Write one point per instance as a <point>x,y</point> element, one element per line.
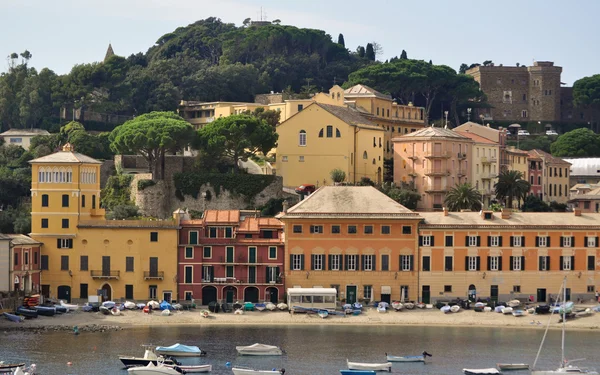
<point>542,309</point>
<point>381,308</point>
<point>507,310</point>
<point>387,366</point>
<point>188,369</point>
<point>177,306</point>
<point>409,305</point>
<point>518,313</point>
<point>25,371</point>
<point>512,366</point>
<point>356,312</point>
<point>164,305</point>
<point>565,366</point>
<point>429,306</point>
<point>249,371</point>
<point>153,304</point>
<point>408,358</point>
<point>260,306</point>
<point>282,306</point>
<point>109,304</point>
<point>487,309</point>
<point>455,308</point>
<point>398,306</point>
<point>46,311</point>
<point>140,306</point>
<point>420,305</point>
<point>566,307</point>
<point>149,356</point>
<point>213,307</point>
<point>357,372</point>
<point>13,317</point>
<point>270,306</point>
<point>180,350</point>
<point>239,312</point>
<point>115,311</point>
<point>248,306</point>
<point>357,306</point>
<point>152,369</point>
<point>146,310</point>
<point>69,306</point>
<point>323,314</point>
<point>5,367</point>
<point>205,313</point>
<point>165,312</point>
<point>129,305</point>
<point>514,303</point>
<point>445,309</point>
<point>499,309</point>
<point>586,312</point>
<point>481,371</point>
<point>28,313</point>
<point>259,349</point>
<point>104,310</point>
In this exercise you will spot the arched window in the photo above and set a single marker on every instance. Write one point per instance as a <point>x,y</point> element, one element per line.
<point>337,133</point>
<point>302,138</point>
<point>374,161</point>
<point>365,156</point>
<point>338,95</point>
<point>321,133</point>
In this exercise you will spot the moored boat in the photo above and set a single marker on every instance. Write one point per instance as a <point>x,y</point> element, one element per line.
<point>260,306</point>
<point>512,366</point>
<point>259,349</point>
<point>152,369</point>
<point>5,367</point>
<point>408,358</point>
<point>387,366</point>
<point>46,311</point>
<point>180,350</point>
<point>28,313</point>
<point>357,372</point>
<point>189,369</point>
<point>480,371</point>
<point>249,371</point>
<point>270,306</point>
<point>323,314</point>
<point>149,356</point>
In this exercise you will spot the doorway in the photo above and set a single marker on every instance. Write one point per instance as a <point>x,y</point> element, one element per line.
<point>472,293</point>
<point>273,295</point>
<point>209,294</point>
<point>541,295</point>
<point>494,293</point>
<point>230,294</point>
<point>106,292</point>
<point>426,294</point>
<point>167,296</point>
<point>251,294</point>
<point>350,294</point>
<point>568,291</point>
<point>386,298</point>
<point>64,293</point>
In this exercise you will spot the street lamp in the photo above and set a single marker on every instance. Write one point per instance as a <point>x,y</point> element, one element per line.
<point>446,115</point>
<point>468,114</point>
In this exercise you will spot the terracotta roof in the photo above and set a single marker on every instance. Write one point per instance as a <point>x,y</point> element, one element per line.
<point>364,91</point>
<point>21,239</point>
<point>549,158</point>
<point>221,216</point>
<point>254,224</point>
<point>349,202</point>
<point>477,138</point>
<point>524,220</point>
<point>67,157</point>
<point>30,132</point>
<point>516,151</point>
<point>348,115</point>
<point>432,132</point>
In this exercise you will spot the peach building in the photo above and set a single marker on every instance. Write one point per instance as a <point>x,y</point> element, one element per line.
<point>432,160</point>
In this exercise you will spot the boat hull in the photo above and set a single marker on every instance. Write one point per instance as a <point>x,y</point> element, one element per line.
<point>482,371</point>
<point>10,367</point>
<point>357,372</point>
<point>259,349</point>
<point>189,369</point>
<point>513,366</point>
<point>565,370</point>
<point>153,370</point>
<point>28,313</point>
<point>136,362</point>
<point>247,371</point>
<point>410,358</point>
<point>13,317</point>
<point>370,366</point>
<point>174,353</point>
<point>178,350</point>
<point>45,311</point>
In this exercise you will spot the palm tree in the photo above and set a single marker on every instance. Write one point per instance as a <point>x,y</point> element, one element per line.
<point>463,197</point>
<point>511,185</point>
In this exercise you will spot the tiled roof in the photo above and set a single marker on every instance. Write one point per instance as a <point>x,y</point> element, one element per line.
<point>346,114</point>
<point>517,219</point>
<point>477,138</point>
<point>21,239</point>
<point>433,132</point>
<point>364,91</point>
<point>516,151</point>
<point>67,157</point>
<point>349,202</point>
<point>30,132</point>
<point>549,158</point>
<point>221,216</point>
<point>254,224</point>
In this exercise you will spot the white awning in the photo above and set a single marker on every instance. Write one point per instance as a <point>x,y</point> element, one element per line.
<point>386,290</point>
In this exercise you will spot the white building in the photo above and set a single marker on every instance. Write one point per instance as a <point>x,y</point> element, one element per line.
<point>21,137</point>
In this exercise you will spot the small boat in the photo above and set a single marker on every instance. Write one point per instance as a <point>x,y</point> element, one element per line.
<point>248,306</point>
<point>512,366</point>
<point>13,317</point>
<point>180,350</point>
<point>46,311</point>
<point>69,306</point>
<point>165,312</point>
<point>357,306</point>
<point>140,306</point>
<point>567,308</point>
<point>270,306</point>
<point>249,371</point>
<point>5,367</point>
<point>479,304</point>
<point>586,312</point>
<point>499,309</point>
<point>429,306</point>
<point>420,305</point>
<point>149,356</point>
<point>282,306</point>
<point>542,309</point>
<point>152,369</point>
<point>25,371</point>
<point>408,358</point>
<point>455,308</point>
<point>153,304</point>
<point>109,304</point>
<point>239,312</point>
<point>164,305</point>
<point>445,309</point>
<point>260,306</point>
<point>398,306</point>
<point>188,369</point>
<point>146,309</point>
<point>213,307</point>
<point>205,313</point>
<point>480,371</point>
<point>104,310</point>
<point>507,310</point>
<point>61,309</point>
<point>129,305</point>
<point>381,308</point>
<point>409,305</point>
<point>28,313</point>
<point>323,314</point>
<point>518,313</point>
<point>259,349</point>
<point>387,366</point>
<point>115,311</point>
<point>356,312</point>
<point>177,306</point>
<point>514,303</point>
<point>357,372</point>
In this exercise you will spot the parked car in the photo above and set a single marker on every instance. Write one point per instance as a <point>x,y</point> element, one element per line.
<point>305,189</point>
<point>551,132</point>
<point>523,133</point>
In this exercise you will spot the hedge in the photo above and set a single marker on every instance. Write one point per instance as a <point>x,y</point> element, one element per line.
<point>247,185</point>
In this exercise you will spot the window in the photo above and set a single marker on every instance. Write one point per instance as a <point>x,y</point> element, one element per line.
<point>229,271</point>
<point>284,158</point>
<point>406,229</point>
<point>93,202</point>
<point>152,289</point>
<point>404,291</point>
<point>368,229</point>
<point>329,131</point>
<point>365,155</point>
<point>228,232</point>
<point>448,263</point>
<point>193,238</point>
<point>495,241</point>
<point>321,133</point>
<point>252,254</point>
<point>567,241</point>
<point>83,291</point>
<point>337,133</point>
<point>64,262</point>
<point>16,140</point>
<point>44,223</point>
<point>473,241</point>
<point>517,263</point>
<point>189,274</point>
<point>26,258</point>
<point>83,201</point>
<point>44,200</point>
<point>590,288</point>
<point>334,262</point>
<point>385,262</point>
<point>301,158</point>
<point>317,262</point>
<point>64,243</point>
<point>153,236</point>
<point>297,262</point>
<point>385,229</point>
<point>83,263</point>
<point>368,292</point>
<point>316,229</point>
<point>207,252</point>
<point>297,229</point>
<point>566,263</point>
<point>189,252</point>
<point>426,263</point>
<point>406,262</point>
<point>300,107</point>
<point>544,263</point>
<point>65,223</point>
<point>272,252</point>
<point>543,241</point>
<point>494,262</point>
<point>518,241</point>
<point>426,240</point>
<point>591,263</point>
<point>44,263</point>
<point>65,200</point>
<point>351,262</point>
<point>591,241</point>
<point>35,258</point>
<point>129,264</point>
<point>447,288</point>
<point>472,263</point>
<point>517,288</point>
<point>335,229</point>
<point>449,241</point>
<point>16,259</point>
<point>351,229</point>
<point>368,263</point>
<point>129,291</point>
<point>302,138</point>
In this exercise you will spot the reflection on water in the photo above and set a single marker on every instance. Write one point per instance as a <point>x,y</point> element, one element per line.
<point>309,350</point>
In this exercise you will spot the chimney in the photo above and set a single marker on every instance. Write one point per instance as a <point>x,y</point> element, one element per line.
<point>506,213</point>
<point>445,211</point>
<point>577,211</point>
<point>285,205</point>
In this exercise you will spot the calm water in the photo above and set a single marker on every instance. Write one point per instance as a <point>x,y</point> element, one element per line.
<point>310,350</point>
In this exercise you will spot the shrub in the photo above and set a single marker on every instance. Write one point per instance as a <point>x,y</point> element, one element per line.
<point>247,185</point>
<point>337,175</point>
<point>142,184</point>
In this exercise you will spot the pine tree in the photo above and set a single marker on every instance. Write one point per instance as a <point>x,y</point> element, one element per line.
<point>403,55</point>
<point>370,53</point>
<point>341,40</point>
<point>361,51</point>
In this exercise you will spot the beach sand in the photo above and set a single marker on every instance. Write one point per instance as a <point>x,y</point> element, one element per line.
<point>417,317</point>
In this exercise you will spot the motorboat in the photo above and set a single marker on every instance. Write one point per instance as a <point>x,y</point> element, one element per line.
<point>5,367</point>
<point>13,317</point>
<point>481,371</point>
<point>518,313</point>
<point>387,366</point>
<point>149,356</point>
<point>188,369</point>
<point>69,306</point>
<point>323,314</point>
<point>45,310</point>
<point>282,306</point>
<point>398,306</point>
<point>445,309</point>
<point>408,358</point>
<point>28,313</point>
<point>357,372</point>
<point>260,306</point>
<point>512,366</point>
<point>180,350</point>
<point>25,371</point>
<point>259,349</point>
<point>455,308</point>
<point>514,303</point>
<point>152,369</point>
<point>249,371</point>
<point>270,306</point>
<point>507,310</point>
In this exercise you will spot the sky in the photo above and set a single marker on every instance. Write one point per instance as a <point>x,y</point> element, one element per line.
<point>62,33</point>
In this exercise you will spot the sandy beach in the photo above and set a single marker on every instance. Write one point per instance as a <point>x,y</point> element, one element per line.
<point>136,318</point>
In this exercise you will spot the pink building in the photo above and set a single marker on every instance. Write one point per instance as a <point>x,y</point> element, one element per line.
<point>25,266</point>
<point>536,175</point>
<point>432,160</point>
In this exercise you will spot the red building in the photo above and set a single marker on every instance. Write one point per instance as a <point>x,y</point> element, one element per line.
<point>25,264</point>
<point>536,175</point>
<point>229,256</point>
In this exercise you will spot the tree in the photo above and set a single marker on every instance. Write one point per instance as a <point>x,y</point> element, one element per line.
<point>337,175</point>
<point>237,137</point>
<point>462,91</point>
<point>586,92</point>
<point>370,52</point>
<point>276,22</point>
<point>152,135</point>
<point>341,40</point>
<point>270,116</point>
<point>247,22</point>
<point>534,204</point>
<point>511,185</point>
<point>488,63</point>
<point>406,197</point>
<point>377,50</point>
<point>463,197</point>
<point>403,55</point>
<point>388,170</point>
<point>581,142</point>
<point>124,212</point>
<point>360,50</point>
<point>463,68</point>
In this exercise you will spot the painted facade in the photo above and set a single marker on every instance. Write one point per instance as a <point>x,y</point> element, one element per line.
<point>554,175</point>
<point>495,135</point>
<point>25,270</point>
<point>21,137</point>
<point>230,256</point>
<point>354,239</point>
<point>5,280</point>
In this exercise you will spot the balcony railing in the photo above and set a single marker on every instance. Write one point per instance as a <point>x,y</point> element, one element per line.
<point>485,160</point>
<point>413,157</point>
<point>436,189</point>
<point>489,176</point>
<point>438,155</point>
<point>413,174</point>
<point>154,275</point>
<point>461,173</point>
<point>243,280</point>
<point>102,274</point>
<point>437,172</point>
<point>461,156</point>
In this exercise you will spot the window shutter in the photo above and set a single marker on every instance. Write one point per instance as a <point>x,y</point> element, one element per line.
<point>489,263</point>
<point>466,240</point>
<point>540,263</point>
<point>70,243</point>
<point>586,241</point>
<point>560,259</point>
<point>302,262</point>
<point>345,262</point>
<point>522,241</point>
<point>548,241</point>
<point>537,241</point>
<point>573,241</point>
<point>478,240</point>
<point>329,258</point>
<point>420,240</point>
<point>268,278</point>
<point>510,263</point>
<point>596,241</point>
<point>573,262</point>
<point>522,263</point>
<point>500,241</point>
<point>411,261</point>
<point>291,262</point>
<point>478,263</point>
<point>548,262</point>
<point>466,263</point>
<point>374,262</point>
<point>312,262</point>
<point>489,239</point>
<point>499,263</point>
<point>58,243</point>
<point>432,240</point>
<point>267,274</point>
<point>512,241</point>
<point>362,262</point>
<point>591,263</point>
<point>562,241</point>
<point>277,272</point>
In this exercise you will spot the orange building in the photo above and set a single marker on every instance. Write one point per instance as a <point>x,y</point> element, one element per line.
<point>354,239</point>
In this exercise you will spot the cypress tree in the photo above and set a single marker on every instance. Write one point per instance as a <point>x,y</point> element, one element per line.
<point>370,53</point>
<point>341,40</point>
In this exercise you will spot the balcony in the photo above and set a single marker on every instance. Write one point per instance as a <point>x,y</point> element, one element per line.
<point>487,192</point>
<point>437,172</point>
<point>154,275</point>
<point>461,156</point>
<point>413,157</point>
<point>106,275</point>
<point>235,281</point>
<point>438,155</point>
<point>487,161</point>
<point>461,174</point>
<point>489,176</point>
<point>413,174</point>
<point>436,189</point>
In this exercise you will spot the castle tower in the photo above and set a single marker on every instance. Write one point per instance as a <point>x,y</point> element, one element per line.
<point>109,52</point>
<point>65,189</point>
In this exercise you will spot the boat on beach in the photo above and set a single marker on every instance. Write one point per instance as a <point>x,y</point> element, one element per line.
<point>205,313</point>
<point>180,350</point>
<point>282,306</point>
<point>323,314</point>
<point>409,305</point>
<point>13,317</point>
<point>250,371</point>
<point>260,306</point>
<point>69,306</point>
<point>518,313</point>
<point>259,349</point>
<point>5,367</point>
<point>512,366</point>
<point>454,308</point>
<point>357,372</point>
<point>507,310</point>
<point>398,306</point>
<point>28,313</point>
<point>270,306</point>
<point>387,366</point>
<point>45,310</point>
<point>481,371</point>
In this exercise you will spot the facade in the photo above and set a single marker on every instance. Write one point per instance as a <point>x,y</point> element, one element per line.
<point>432,160</point>
<point>323,137</point>
<point>536,174</point>
<point>506,255</point>
<point>25,270</point>
<point>555,176</point>
<point>5,280</point>
<point>21,137</point>
<point>230,256</point>
<point>517,160</point>
<point>354,239</point>
<point>494,135</point>
<point>585,197</point>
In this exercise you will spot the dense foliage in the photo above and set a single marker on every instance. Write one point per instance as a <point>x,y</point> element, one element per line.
<point>463,197</point>
<point>247,185</point>
<point>534,204</point>
<point>511,185</point>
<point>586,92</point>
<point>117,191</point>
<point>15,185</point>
<point>409,198</point>
<point>577,143</point>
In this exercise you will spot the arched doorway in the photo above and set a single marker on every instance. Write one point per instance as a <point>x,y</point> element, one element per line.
<point>230,294</point>
<point>472,293</point>
<point>209,294</point>
<point>106,292</point>
<point>64,293</point>
<point>272,295</point>
<point>251,294</point>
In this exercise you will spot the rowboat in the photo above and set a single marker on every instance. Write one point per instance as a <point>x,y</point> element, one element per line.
<point>260,306</point>
<point>165,312</point>
<point>409,305</point>
<point>259,349</point>
<point>445,309</point>
<point>187,369</point>
<point>397,306</point>
<point>507,310</point>
<point>282,306</point>
<point>323,314</point>
<point>512,366</point>
<point>129,305</point>
<point>518,313</point>
<point>387,366</point>
<point>13,317</point>
<point>249,371</point>
<point>270,306</point>
<point>152,369</point>
<point>69,306</point>
<point>153,304</point>
<point>357,372</point>
<point>61,309</point>
<point>180,350</point>
<point>205,313</point>
<point>408,358</point>
<point>46,311</point>
<point>480,371</point>
<point>248,306</point>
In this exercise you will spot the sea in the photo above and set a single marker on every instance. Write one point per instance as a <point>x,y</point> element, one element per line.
<point>309,349</point>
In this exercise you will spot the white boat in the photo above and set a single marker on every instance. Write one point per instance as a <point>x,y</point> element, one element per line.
<point>205,313</point>
<point>407,358</point>
<point>420,305</point>
<point>239,312</point>
<point>565,366</point>
<point>387,366</point>
<point>455,308</point>
<point>480,371</point>
<point>398,306</point>
<point>259,349</point>
<point>282,306</point>
<point>518,313</point>
<point>249,371</point>
<point>115,311</point>
<point>21,370</point>
<point>129,305</point>
<point>187,369</point>
<point>507,310</point>
<point>409,305</point>
<point>487,309</point>
<point>499,309</point>
<point>512,366</point>
<point>323,314</point>
<point>381,309</point>
<point>152,369</point>
<point>165,312</point>
<point>155,305</point>
<point>514,303</point>
<point>445,309</point>
<point>180,350</point>
<point>270,306</point>
<point>69,306</point>
<point>586,312</point>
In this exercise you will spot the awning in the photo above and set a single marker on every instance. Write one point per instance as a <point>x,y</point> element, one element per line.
<point>386,290</point>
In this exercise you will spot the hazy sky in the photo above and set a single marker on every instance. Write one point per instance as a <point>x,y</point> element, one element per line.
<point>61,33</point>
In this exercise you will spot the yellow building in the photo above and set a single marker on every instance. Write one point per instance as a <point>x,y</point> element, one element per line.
<point>517,160</point>
<point>323,137</point>
<point>84,254</point>
<point>555,177</point>
<point>494,135</point>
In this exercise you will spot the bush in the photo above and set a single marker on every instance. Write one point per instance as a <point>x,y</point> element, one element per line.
<point>247,185</point>
<point>558,207</point>
<point>117,191</point>
<point>337,175</point>
<point>124,212</point>
<point>142,184</point>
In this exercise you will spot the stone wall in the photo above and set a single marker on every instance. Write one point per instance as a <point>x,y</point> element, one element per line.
<point>107,169</point>
<point>173,163</point>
